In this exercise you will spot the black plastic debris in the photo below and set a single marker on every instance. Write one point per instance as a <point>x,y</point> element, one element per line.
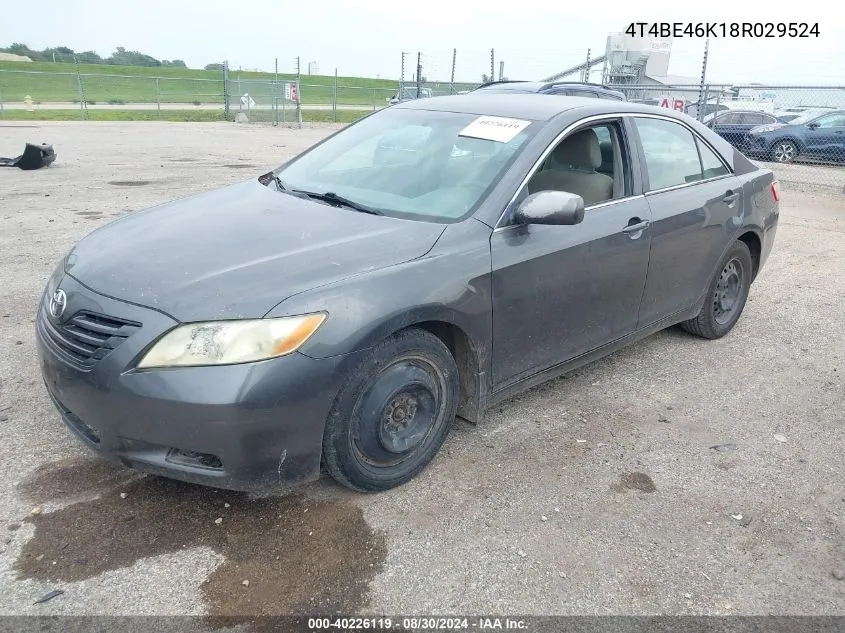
<point>721,448</point>
<point>49,596</point>
<point>34,157</point>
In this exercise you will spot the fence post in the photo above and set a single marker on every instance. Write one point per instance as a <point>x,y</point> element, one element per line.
<point>452,76</point>
<point>334,98</point>
<point>1,103</point>
<point>276,94</point>
<point>703,104</point>
<point>158,97</point>
<point>298,105</point>
<point>226,89</point>
<point>81,87</point>
<point>374,99</point>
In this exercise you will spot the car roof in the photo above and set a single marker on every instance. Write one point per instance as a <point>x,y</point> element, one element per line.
<point>726,112</point>
<point>538,86</point>
<point>532,106</point>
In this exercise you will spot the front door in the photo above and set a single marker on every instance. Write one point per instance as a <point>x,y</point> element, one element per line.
<point>829,137</point>
<point>561,291</point>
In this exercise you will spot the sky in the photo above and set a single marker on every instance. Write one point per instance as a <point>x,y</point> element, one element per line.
<point>367,37</point>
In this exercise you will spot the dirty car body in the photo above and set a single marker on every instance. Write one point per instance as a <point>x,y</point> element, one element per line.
<point>420,289</point>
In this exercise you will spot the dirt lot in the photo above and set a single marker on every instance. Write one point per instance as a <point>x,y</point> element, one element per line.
<point>597,493</point>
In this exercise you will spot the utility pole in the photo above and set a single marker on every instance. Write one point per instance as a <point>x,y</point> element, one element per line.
<point>701,92</point>
<point>419,73</point>
<point>492,65</point>
<point>501,70</point>
<point>586,73</point>
<point>452,78</point>
<point>402,75</point>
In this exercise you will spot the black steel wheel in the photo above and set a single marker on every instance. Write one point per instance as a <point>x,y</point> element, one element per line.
<point>393,413</point>
<point>726,296</point>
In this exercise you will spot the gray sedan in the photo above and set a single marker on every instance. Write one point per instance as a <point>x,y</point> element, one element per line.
<point>420,265</point>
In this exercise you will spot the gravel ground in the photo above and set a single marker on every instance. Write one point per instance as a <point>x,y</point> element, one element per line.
<point>598,493</point>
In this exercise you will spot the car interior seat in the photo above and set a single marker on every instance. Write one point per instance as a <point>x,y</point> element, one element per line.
<point>573,169</point>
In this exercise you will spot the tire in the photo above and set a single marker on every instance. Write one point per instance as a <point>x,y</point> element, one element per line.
<point>393,413</point>
<point>726,295</point>
<point>784,151</point>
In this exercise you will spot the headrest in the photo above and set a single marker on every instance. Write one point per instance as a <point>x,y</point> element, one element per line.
<point>581,151</point>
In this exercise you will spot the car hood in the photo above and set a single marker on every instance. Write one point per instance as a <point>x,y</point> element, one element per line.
<point>238,251</point>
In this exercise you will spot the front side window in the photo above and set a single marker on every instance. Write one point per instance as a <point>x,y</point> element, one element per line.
<point>589,162</point>
<point>417,164</point>
<point>672,154</point>
<point>832,120</point>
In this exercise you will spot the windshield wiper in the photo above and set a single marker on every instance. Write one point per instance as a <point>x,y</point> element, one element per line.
<point>338,201</point>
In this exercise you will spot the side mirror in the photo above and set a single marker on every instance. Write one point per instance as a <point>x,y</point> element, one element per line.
<point>551,207</point>
<point>812,125</point>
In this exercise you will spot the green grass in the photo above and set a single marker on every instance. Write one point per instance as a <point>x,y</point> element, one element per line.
<point>48,82</point>
<point>308,116</point>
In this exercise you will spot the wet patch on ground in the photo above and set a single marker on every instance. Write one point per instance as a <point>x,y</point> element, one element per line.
<point>299,556</point>
<point>240,166</point>
<point>634,481</point>
<point>129,183</point>
<point>73,477</point>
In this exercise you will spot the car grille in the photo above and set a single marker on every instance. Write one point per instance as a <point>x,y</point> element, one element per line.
<point>86,338</point>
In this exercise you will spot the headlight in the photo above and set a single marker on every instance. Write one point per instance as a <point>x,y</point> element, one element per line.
<point>764,128</point>
<point>229,342</point>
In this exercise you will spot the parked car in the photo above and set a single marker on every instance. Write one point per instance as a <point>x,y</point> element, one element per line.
<point>733,125</point>
<point>567,88</point>
<point>343,311</point>
<point>409,93</point>
<point>811,135</point>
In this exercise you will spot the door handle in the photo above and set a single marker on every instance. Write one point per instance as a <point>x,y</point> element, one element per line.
<point>636,228</point>
<point>730,197</point>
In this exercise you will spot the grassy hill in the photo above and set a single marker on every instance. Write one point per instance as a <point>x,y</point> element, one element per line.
<point>48,82</point>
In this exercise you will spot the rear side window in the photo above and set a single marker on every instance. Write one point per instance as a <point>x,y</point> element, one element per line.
<point>673,156</point>
<point>753,118</point>
<point>711,165</point>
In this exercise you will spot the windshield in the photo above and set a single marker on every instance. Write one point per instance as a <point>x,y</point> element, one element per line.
<point>417,164</point>
<point>805,118</point>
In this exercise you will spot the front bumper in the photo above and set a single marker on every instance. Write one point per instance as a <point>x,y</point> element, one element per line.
<point>757,146</point>
<point>254,426</point>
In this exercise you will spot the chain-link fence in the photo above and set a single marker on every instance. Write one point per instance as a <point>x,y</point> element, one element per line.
<point>799,131</point>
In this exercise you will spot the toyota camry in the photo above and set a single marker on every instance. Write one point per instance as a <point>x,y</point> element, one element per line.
<point>430,260</point>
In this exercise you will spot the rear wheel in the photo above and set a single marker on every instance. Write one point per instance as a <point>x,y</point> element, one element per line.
<point>784,151</point>
<point>726,296</point>
<point>393,413</point>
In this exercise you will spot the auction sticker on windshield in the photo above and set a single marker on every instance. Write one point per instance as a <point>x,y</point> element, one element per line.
<point>494,128</point>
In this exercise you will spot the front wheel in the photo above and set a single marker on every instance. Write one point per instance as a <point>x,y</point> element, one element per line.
<point>784,152</point>
<point>726,296</point>
<point>393,413</point>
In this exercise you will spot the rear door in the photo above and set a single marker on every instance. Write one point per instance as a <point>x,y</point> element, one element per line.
<point>730,127</point>
<point>562,291</point>
<point>694,198</point>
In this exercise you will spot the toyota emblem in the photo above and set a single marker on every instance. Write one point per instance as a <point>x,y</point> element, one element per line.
<point>58,302</point>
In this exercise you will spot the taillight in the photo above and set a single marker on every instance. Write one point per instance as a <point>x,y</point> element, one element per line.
<point>775,189</point>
